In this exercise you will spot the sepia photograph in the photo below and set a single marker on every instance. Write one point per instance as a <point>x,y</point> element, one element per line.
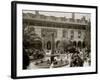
<point>53,40</point>
<point>56,39</point>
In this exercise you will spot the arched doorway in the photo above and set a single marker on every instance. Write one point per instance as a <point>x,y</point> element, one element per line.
<point>83,44</point>
<point>49,45</point>
<point>74,43</point>
<point>79,44</point>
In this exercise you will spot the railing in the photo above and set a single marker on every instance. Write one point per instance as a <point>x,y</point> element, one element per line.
<point>58,20</point>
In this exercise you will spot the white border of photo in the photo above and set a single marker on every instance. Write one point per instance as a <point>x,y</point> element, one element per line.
<point>35,72</point>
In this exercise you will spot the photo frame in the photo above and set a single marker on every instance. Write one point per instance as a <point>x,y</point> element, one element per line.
<point>50,39</point>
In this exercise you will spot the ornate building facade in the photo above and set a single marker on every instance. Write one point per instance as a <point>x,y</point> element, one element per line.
<point>52,30</point>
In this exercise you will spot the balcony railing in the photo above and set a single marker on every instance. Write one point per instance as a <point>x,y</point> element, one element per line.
<point>56,19</point>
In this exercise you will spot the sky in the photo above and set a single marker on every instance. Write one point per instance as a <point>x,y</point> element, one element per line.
<point>61,14</point>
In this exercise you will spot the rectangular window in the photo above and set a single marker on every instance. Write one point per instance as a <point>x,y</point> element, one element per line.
<point>79,34</point>
<point>64,33</point>
<point>72,34</point>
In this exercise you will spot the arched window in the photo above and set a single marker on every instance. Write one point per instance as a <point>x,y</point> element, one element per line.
<point>79,44</point>
<point>49,45</point>
<point>83,45</point>
<point>57,43</point>
<point>74,43</point>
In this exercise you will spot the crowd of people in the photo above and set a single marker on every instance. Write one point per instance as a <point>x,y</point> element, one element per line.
<point>74,57</point>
